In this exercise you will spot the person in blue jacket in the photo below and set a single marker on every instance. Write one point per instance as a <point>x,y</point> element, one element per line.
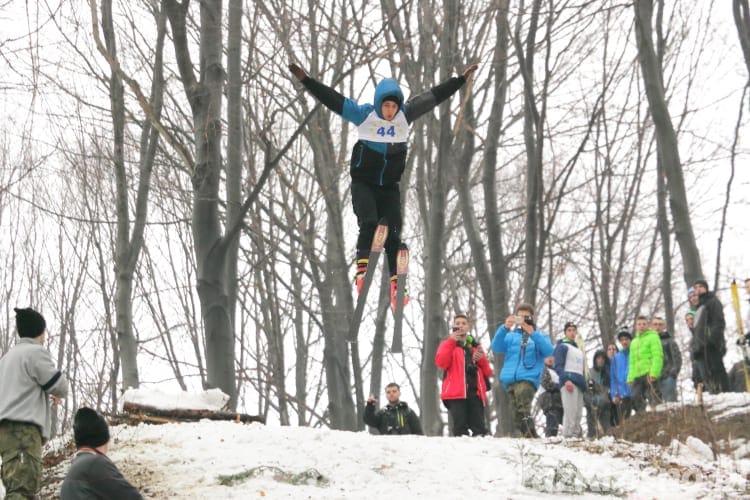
<point>525,348</point>
<point>619,390</point>
<point>379,156</point>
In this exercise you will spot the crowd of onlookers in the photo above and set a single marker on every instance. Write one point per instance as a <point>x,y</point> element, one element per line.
<point>620,382</point>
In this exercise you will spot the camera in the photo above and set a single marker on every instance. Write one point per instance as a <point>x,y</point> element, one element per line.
<point>455,328</point>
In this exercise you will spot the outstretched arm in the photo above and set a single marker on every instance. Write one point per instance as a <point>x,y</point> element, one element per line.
<point>425,102</point>
<point>325,94</point>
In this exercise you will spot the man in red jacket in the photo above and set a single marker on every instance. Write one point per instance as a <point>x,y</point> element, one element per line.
<point>464,384</point>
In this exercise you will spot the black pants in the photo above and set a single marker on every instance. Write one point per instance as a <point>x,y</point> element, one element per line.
<point>644,389</point>
<point>708,369</point>
<point>371,203</point>
<point>624,410</point>
<point>552,419</point>
<point>598,420</point>
<point>467,415</point>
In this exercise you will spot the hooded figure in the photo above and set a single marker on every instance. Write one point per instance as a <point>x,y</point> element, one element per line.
<point>379,156</point>
<point>596,398</point>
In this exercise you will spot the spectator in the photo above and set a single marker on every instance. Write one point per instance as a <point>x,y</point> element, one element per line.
<point>672,361</point>
<point>92,474</point>
<point>709,344</point>
<point>549,398</point>
<point>646,359</point>
<point>598,404</point>
<point>693,299</point>
<point>690,321</point>
<point>31,383</point>
<point>619,390</point>
<point>525,348</point>
<point>569,366</point>
<point>611,352</point>
<point>394,418</point>
<point>464,390</point>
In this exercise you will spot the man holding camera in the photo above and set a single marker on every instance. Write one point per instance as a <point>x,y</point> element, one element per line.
<point>525,348</point>
<point>394,418</point>
<point>464,390</point>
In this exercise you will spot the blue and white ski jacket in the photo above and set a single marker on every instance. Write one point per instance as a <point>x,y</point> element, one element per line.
<point>379,156</point>
<point>569,363</point>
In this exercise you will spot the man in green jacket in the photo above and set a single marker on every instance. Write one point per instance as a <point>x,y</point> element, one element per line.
<point>646,359</point>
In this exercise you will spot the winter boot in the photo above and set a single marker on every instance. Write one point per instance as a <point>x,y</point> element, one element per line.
<point>529,428</point>
<point>359,276</point>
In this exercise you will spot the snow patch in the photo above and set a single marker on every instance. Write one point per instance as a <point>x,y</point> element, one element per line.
<point>212,399</point>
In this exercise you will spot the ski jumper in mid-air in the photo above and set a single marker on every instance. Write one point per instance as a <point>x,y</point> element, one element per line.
<point>379,156</point>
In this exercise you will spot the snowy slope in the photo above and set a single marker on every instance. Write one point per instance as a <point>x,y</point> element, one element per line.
<point>184,461</point>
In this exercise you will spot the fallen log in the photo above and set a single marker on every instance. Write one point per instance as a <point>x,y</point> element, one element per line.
<point>151,414</point>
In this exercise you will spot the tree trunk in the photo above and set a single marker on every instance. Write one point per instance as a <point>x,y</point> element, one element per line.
<point>127,246</point>
<point>434,322</point>
<point>741,12</point>
<point>205,98</point>
<point>666,140</point>
<point>233,184</point>
<point>496,301</point>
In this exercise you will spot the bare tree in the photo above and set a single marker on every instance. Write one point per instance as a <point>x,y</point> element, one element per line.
<point>741,11</point>
<point>128,246</point>
<point>666,138</point>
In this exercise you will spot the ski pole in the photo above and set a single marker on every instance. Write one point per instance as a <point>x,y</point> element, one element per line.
<point>741,341</point>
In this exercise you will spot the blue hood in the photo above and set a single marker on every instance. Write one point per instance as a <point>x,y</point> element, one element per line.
<point>387,87</point>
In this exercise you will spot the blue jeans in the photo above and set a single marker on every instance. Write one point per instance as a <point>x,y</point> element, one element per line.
<point>668,388</point>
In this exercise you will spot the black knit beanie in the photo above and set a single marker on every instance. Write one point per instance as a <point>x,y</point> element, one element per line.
<point>90,429</point>
<point>30,324</point>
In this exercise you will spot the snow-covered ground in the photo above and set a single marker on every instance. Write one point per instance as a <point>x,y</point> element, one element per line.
<point>185,461</point>
<point>188,460</point>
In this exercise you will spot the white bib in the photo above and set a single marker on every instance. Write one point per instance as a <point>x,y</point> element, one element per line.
<point>376,129</point>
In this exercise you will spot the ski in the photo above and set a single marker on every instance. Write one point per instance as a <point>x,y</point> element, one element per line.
<point>402,267</point>
<point>378,243</point>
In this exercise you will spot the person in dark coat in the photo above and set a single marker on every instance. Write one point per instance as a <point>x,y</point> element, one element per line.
<point>708,344</point>
<point>672,363</point>
<point>596,399</point>
<point>394,418</point>
<point>92,474</point>
<point>549,398</point>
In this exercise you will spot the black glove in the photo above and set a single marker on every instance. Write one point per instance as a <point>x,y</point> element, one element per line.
<point>298,72</point>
